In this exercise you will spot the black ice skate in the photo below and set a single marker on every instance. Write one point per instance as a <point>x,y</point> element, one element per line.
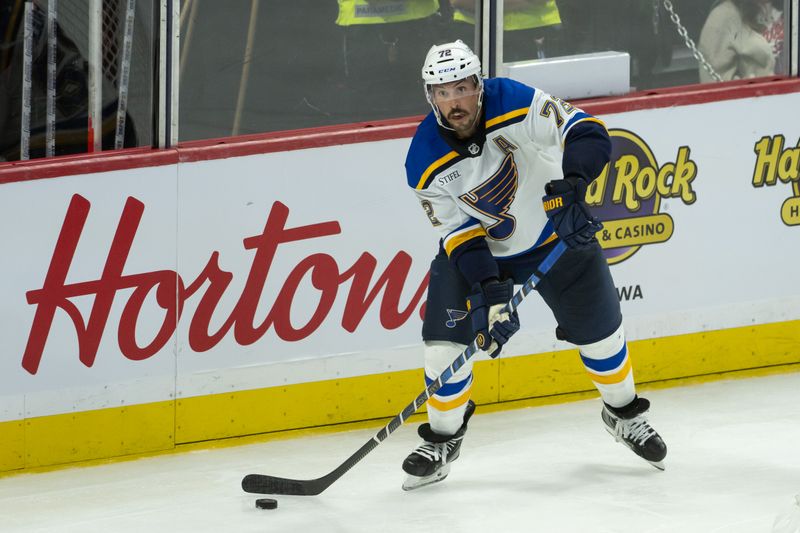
<point>629,426</point>
<point>430,461</point>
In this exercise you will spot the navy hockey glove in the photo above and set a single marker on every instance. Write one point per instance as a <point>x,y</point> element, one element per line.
<point>491,327</point>
<point>565,204</point>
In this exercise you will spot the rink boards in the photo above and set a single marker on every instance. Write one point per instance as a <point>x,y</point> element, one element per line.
<point>203,294</point>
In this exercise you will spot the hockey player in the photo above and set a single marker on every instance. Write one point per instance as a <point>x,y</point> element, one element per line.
<point>479,164</point>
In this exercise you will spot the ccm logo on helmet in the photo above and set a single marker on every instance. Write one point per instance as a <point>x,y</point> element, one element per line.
<point>443,70</point>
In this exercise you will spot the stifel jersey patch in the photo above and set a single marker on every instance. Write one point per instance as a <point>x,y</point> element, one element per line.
<point>496,195</point>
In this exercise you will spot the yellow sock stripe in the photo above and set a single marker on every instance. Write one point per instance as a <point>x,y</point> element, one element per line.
<point>611,379</point>
<point>451,404</point>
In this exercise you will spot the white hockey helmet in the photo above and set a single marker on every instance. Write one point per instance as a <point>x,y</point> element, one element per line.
<point>449,62</point>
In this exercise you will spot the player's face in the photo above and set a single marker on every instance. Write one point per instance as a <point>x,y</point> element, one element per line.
<point>458,102</point>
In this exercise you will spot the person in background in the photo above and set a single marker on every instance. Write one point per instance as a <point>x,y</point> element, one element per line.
<point>71,101</point>
<point>742,39</point>
<point>531,27</point>
<point>381,42</point>
<point>772,18</point>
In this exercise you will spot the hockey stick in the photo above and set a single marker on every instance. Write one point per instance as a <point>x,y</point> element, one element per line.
<point>263,484</point>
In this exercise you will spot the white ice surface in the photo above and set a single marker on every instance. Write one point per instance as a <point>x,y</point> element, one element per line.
<point>732,467</point>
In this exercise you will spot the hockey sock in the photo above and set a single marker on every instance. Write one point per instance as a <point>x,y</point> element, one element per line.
<point>609,368</point>
<point>446,408</point>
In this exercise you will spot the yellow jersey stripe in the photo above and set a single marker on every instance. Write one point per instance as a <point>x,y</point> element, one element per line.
<point>453,242</point>
<point>508,116</point>
<point>548,240</point>
<point>588,119</point>
<point>436,164</point>
<point>611,379</point>
<point>592,119</point>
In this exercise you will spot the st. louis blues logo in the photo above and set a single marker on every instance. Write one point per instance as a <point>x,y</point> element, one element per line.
<point>455,315</point>
<point>494,196</point>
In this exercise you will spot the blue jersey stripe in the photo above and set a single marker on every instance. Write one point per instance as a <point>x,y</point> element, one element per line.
<point>427,147</point>
<point>543,236</point>
<point>576,118</point>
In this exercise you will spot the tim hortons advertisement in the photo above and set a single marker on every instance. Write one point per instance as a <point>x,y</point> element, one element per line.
<point>87,299</point>
<point>282,268</point>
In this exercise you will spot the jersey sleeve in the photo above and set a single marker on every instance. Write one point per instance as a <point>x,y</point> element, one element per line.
<point>455,227</point>
<point>587,150</point>
<point>582,138</point>
<point>463,237</point>
<point>550,119</point>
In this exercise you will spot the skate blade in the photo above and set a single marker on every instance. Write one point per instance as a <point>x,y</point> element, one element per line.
<point>416,482</point>
<point>657,464</point>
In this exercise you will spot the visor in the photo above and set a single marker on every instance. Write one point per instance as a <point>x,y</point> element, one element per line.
<point>447,92</point>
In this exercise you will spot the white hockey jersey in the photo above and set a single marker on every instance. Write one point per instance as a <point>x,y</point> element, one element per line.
<point>496,194</point>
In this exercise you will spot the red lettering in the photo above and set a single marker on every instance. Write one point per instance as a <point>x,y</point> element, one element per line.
<point>55,293</point>
<point>50,297</point>
<point>167,285</point>
<point>324,277</point>
<point>265,245</point>
<point>170,293</point>
<point>393,280</point>
<point>200,340</point>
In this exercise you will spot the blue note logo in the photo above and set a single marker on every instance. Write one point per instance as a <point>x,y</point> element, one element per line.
<point>455,316</point>
<point>493,198</point>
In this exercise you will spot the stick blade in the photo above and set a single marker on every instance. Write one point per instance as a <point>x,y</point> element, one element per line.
<point>262,484</point>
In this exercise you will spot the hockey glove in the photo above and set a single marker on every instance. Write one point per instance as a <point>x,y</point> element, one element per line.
<point>491,327</point>
<point>565,205</point>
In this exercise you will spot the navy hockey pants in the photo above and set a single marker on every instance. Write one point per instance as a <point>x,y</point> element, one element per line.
<point>578,289</point>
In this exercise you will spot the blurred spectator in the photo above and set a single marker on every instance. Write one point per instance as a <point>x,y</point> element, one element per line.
<point>382,42</point>
<point>311,64</point>
<point>531,27</point>
<point>774,33</point>
<point>742,39</point>
<point>71,88</point>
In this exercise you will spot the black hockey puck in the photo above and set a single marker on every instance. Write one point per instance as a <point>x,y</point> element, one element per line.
<point>266,503</point>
